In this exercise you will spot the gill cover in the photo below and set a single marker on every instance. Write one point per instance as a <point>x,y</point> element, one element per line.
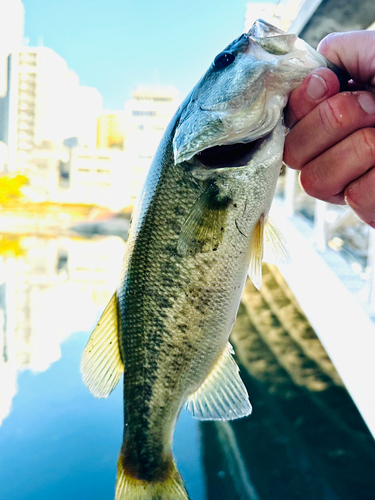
<point>242,95</point>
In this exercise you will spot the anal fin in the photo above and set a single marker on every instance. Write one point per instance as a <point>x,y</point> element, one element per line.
<point>101,364</point>
<point>223,395</point>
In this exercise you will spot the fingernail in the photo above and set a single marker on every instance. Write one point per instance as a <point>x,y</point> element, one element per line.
<point>367,103</point>
<point>316,87</point>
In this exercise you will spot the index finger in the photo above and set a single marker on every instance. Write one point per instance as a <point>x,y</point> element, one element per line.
<point>316,87</point>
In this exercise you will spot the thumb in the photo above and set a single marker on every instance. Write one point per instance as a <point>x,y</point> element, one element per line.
<point>353,51</point>
<point>318,86</point>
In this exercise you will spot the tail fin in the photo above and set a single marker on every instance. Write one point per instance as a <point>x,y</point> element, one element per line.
<point>129,488</point>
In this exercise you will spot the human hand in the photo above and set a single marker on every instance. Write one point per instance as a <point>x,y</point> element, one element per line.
<point>332,140</point>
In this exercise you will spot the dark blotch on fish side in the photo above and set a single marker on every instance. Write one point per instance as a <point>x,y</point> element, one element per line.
<point>179,210</point>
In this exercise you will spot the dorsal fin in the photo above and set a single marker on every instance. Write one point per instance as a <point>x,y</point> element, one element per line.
<point>101,364</point>
<point>223,395</point>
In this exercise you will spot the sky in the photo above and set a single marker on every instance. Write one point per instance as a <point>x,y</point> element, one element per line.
<point>114,45</point>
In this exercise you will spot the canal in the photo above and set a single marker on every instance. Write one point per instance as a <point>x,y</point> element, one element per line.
<point>305,439</point>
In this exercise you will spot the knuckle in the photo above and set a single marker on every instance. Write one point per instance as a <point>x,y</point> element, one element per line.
<point>310,184</point>
<point>291,156</point>
<point>360,193</point>
<point>367,141</point>
<point>351,197</point>
<point>332,114</point>
<point>315,184</point>
<point>294,108</point>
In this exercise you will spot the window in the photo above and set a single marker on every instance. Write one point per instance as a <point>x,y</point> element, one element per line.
<point>138,112</point>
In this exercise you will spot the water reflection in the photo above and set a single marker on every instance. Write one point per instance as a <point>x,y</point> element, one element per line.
<point>49,288</point>
<point>56,439</point>
<point>304,440</point>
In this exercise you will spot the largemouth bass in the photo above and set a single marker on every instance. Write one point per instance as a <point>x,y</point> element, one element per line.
<point>199,226</point>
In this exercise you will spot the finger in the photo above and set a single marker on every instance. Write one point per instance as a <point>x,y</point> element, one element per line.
<point>327,176</point>
<point>316,87</point>
<point>327,124</point>
<point>360,196</point>
<point>353,51</point>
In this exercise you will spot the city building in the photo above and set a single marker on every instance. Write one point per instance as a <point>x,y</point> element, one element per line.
<point>79,175</point>
<point>36,103</point>
<point>44,102</point>
<point>3,157</point>
<point>11,35</point>
<point>95,177</point>
<point>89,106</point>
<point>12,15</point>
<point>111,130</point>
<point>46,171</point>
<point>147,115</point>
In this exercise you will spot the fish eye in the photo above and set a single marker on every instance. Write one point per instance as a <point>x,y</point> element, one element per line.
<point>223,60</point>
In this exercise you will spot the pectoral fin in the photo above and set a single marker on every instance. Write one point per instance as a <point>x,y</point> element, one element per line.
<point>275,251</point>
<point>223,395</point>
<point>257,251</point>
<point>205,225</point>
<point>267,245</point>
<point>101,365</point>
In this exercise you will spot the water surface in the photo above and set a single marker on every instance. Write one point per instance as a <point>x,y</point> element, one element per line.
<point>304,441</point>
<point>56,439</point>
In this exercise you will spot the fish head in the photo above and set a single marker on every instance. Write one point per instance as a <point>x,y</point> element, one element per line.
<point>241,97</point>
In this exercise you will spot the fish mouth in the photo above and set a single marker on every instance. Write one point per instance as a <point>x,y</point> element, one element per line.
<point>232,155</point>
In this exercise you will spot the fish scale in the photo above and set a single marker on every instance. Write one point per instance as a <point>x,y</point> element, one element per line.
<point>170,366</point>
<point>173,362</point>
<point>200,225</point>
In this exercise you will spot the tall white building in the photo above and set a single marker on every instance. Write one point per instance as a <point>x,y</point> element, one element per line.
<point>11,35</point>
<point>89,108</point>
<point>34,102</point>
<point>3,157</point>
<point>84,106</point>
<point>146,117</point>
<point>12,15</point>
<point>45,103</point>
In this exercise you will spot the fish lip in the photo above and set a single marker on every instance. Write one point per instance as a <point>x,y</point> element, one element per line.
<point>229,155</point>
